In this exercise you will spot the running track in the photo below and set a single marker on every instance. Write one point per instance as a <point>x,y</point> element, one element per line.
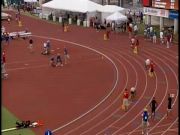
<point>99,71</point>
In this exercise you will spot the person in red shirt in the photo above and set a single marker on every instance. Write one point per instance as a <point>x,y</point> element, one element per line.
<point>3,57</point>
<point>125,100</point>
<point>151,69</point>
<point>135,50</point>
<point>132,42</point>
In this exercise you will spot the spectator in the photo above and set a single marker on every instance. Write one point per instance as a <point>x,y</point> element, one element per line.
<point>135,29</point>
<point>113,25</point>
<point>168,40</point>
<point>145,33</point>
<point>141,17</point>
<point>105,22</point>
<point>151,32</point>
<point>130,30</point>
<point>154,37</point>
<point>161,37</point>
<point>171,37</point>
<point>148,33</point>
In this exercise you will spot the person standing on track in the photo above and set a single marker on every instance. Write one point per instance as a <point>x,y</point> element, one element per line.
<point>66,55</point>
<point>145,123</point>
<point>153,106</point>
<point>52,62</point>
<point>3,71</point>
<point>48,45</point>
<point>31,45</point>
<point>3,57</point>
<point>59,60</point>
<point>169,107</point>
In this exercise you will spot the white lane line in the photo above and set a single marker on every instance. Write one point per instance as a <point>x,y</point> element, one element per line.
<point>103,100</point>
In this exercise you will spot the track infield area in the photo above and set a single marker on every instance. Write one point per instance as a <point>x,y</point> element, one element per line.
<point>84,96</point>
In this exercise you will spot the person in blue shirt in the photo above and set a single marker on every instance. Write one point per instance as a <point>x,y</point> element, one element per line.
<point>48,132</point>
<point>145,118</point>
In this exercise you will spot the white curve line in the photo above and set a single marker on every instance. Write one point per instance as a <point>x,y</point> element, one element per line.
<point>174,130</point>
<point>170,126</point>
<point>108,105</point>
<point>139,98</point>
<point>127,123</point>
<point>30,67</point>
<point>165,54</point>
<point>23,61</point>
<point>139,130</point>
<point>39,66</point>
<point>163,47</point>
<point>174,101</point>
<point>176,81</point>
<point>136,84</point>
<point>177,91</point>
<point>137,114</point>
<point>117,78</point>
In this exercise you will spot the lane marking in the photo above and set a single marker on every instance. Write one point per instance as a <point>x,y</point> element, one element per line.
<point>105,98</point>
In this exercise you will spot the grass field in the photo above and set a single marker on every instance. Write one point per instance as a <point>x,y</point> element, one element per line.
<point>8,121</point>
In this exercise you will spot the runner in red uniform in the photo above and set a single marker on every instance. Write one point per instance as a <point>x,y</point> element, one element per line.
<point>125,100</point>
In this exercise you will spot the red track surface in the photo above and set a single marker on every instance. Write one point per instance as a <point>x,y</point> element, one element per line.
<point>84,96</point>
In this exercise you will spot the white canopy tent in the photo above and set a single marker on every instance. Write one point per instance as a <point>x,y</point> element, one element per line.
<point>117,17</point>
<point>30,1</point>
<point>111,9</point>
<point>5,16</point>
<point>107,10</point>
<point>82,6</point>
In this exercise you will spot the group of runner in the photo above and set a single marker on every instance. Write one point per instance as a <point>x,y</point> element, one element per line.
<point>145,115</point>
<point>59,60</point>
